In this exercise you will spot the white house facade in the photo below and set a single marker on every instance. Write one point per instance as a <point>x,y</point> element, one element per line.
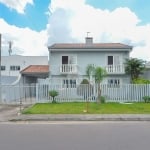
<point>68,61</point>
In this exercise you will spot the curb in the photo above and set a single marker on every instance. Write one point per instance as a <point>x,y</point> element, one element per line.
<point>81,118</point>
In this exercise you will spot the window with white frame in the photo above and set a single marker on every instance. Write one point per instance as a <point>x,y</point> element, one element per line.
<point>69,83</point>
<point>14,68</point>
<point>112,83</point>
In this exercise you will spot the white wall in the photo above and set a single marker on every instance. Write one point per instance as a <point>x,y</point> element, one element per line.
<point>22,61</point>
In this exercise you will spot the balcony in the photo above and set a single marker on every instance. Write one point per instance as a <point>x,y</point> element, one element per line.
<point>68,69</point>
<point>115,69</point>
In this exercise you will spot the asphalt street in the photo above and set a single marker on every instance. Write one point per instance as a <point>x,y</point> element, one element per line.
<point>70,135</point>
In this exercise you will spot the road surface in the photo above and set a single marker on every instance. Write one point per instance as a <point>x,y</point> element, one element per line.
<point>75,136</point>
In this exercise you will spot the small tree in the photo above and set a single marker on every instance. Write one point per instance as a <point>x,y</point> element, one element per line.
<point>53,94</point>
<point>100,73</point>
<point>90,70</point>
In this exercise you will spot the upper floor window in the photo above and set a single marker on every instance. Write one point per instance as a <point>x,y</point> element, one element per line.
<point>14,68</point>
<point>3,68</point>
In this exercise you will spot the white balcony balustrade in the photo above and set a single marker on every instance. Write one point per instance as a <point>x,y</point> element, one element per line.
<point>115,69</point>
<point>81,70</point>
<point>68,69</point>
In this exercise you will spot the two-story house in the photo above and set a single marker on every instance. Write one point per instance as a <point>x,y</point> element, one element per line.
<point>68,61</point>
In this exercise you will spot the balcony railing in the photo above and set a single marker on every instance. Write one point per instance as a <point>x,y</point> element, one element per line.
<point>115,69</point>
<point>68,69</point>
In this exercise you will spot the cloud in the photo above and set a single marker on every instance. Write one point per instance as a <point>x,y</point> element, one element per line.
<point>18,5</point>
<point>25,41</point>
<point>69,21</point>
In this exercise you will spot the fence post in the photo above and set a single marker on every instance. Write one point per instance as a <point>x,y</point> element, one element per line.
<point>37,92</point>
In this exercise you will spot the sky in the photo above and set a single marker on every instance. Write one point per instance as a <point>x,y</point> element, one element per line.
<point>32,25</point>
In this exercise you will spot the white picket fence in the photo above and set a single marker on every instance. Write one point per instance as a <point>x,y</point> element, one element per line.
<point>69,93</point>
<point>17,94</point>
<point>39,93</point>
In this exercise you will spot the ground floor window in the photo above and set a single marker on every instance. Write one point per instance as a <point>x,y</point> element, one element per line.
<point>69,83</point>
<point>112,83</point>
<point>3,68</point>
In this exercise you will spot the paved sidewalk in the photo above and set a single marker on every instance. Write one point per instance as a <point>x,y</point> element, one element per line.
<point>8,111</point>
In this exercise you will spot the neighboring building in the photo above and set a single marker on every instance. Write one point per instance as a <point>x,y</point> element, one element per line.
<point>68,61</point>
<point>12,65</point>
<point>146,74</point>
<point>32,73</point>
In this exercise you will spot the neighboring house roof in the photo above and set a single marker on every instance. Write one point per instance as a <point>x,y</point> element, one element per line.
<point>86,47</point>
<point>36,70</point>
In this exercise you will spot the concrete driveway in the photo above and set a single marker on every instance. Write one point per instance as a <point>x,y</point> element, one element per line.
<point>8,111</point>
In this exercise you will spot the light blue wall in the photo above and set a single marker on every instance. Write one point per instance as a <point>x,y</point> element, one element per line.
<point>83,59</point>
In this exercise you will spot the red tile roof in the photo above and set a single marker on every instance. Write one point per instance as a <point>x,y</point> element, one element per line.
<point>36,69</point>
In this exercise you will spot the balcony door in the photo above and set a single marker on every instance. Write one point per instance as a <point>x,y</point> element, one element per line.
<point>70,60</point>
<point>69,64</point>
<point>113,60</point>
<point>64,60</point>
<point>114,64</point>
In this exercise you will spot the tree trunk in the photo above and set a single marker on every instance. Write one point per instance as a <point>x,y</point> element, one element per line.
<point>99,94</point>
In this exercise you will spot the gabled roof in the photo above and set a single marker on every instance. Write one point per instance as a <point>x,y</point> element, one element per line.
<point>87,47</point>
<point>35,69</point>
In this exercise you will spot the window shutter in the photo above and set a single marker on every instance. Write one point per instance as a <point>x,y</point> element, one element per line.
<point>117,60</point>
<point>73,60</point>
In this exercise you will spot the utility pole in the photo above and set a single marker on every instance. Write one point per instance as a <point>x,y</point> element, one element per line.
<point>10,47</point>
<point>0,69</point>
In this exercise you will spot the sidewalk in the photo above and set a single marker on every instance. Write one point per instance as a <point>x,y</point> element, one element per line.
<point>82,117</point>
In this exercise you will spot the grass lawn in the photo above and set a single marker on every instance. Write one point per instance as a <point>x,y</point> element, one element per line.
<point>93,108</point>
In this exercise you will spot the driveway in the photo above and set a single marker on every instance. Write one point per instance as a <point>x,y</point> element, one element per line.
<point>8,111</point>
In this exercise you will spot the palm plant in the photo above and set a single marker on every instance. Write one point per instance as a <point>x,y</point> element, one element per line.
<point>134,67</point>
<point>98,73</point>
<point>53,94</point>
<point>90,70</point>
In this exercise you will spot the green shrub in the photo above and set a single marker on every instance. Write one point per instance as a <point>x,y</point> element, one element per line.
<point>84,81</point>
<point>85,89</point>
<point>141,81</point>
<point>146,99</point>
<point>53,94</point>
<point>103,99</point>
